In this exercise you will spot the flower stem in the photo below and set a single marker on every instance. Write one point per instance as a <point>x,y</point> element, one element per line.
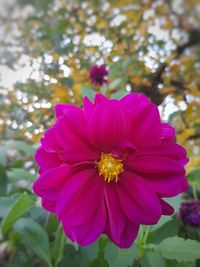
<point>194,191</point>
<point>141,248</point>
<point>136,263</point>
<point>146,234</point>
<point>47,220</point>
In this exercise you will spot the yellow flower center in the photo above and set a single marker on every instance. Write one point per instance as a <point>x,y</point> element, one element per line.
<point>110,167</point>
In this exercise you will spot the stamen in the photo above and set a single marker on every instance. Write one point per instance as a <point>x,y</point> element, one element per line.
<point>110,167</point>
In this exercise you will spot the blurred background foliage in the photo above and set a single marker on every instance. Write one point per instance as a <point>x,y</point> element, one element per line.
<point>47,48</point>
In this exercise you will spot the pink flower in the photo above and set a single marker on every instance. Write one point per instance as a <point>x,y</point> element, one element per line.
<point>98,75</point>
<point>107,167</point>
<point>190,212</point>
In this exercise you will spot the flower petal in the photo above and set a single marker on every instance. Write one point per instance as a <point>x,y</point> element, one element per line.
<point>166,208</point>
<point>88,107</point>
<point>128,234</point>
<point>166,150</point>
<point>124,149</point>
<point>166,185</point>
<point>49,184</point>
<point>131,100</point>
<point>116,216</point>
<point>146,125</point>
<point>47,160</point>
<point>168,133</point>
<point>71,132</point>
<point>153,165</point>
<point>49,142</point>
<point>71,129</point>
<point>60,108</point>
<point>82,153</point>
<point>165,176</point>
<point>88,232</point>
<point>49,205</point>
<point>80,197</point>
<point>140,204</point>
<point>99,98</point>
<point>108,125</point>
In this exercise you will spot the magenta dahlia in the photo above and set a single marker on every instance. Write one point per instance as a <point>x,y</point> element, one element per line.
<point>107,167</point>
<point>190,212</point>
<point>98,75</point>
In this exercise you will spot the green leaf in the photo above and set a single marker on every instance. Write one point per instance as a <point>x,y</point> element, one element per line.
<point>19,174</point>
<point>34,236</point>
<point>6,203</point>
<point>168,229</point>
<point>52,223</point>
<point>152,259</point>
<point>3,180</point>
<point>117,257</point>
<point>20,206</point>
<point>170,263</point>
<point>99,262</point>
<point>36,213</point>
<point>27,149</point>
<point>127,62</point>
<point>118,94</point>
<point>72,257</point>
<point>179,249</point>
<point>90,252</point>
<point>59,245</point>
<point>194,176</point>
<point>3,153</point>
<point>163,220</point>
<point>40,5</point>
<point>89,92</point>
<point>115,84</point>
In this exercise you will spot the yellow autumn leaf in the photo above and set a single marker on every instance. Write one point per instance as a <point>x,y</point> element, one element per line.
<point>120,3</point>
<point>80,75</point>
<point>193,163</point>
<point>60,93</point>
<point>136,80</point>
<point>182,137</point>
<point>101,24</point>
<point>77,92</point>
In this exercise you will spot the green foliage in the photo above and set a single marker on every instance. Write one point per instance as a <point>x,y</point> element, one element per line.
<point>115,84</point>
<point>117,257</point>
<point>58,246</point>
<point>6,203</point>
<point>176,248</point>
<point>168,229</point>
<point>101,256</point>
<point>20,206</point>
<point>3,179</point>
<point>152,259</point>
<point>89,92</point>
<point>194,176</point>
<point>35,237</point>
<point>27,149</point>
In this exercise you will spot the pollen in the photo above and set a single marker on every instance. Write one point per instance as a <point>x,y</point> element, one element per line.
<point>110,167</point>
